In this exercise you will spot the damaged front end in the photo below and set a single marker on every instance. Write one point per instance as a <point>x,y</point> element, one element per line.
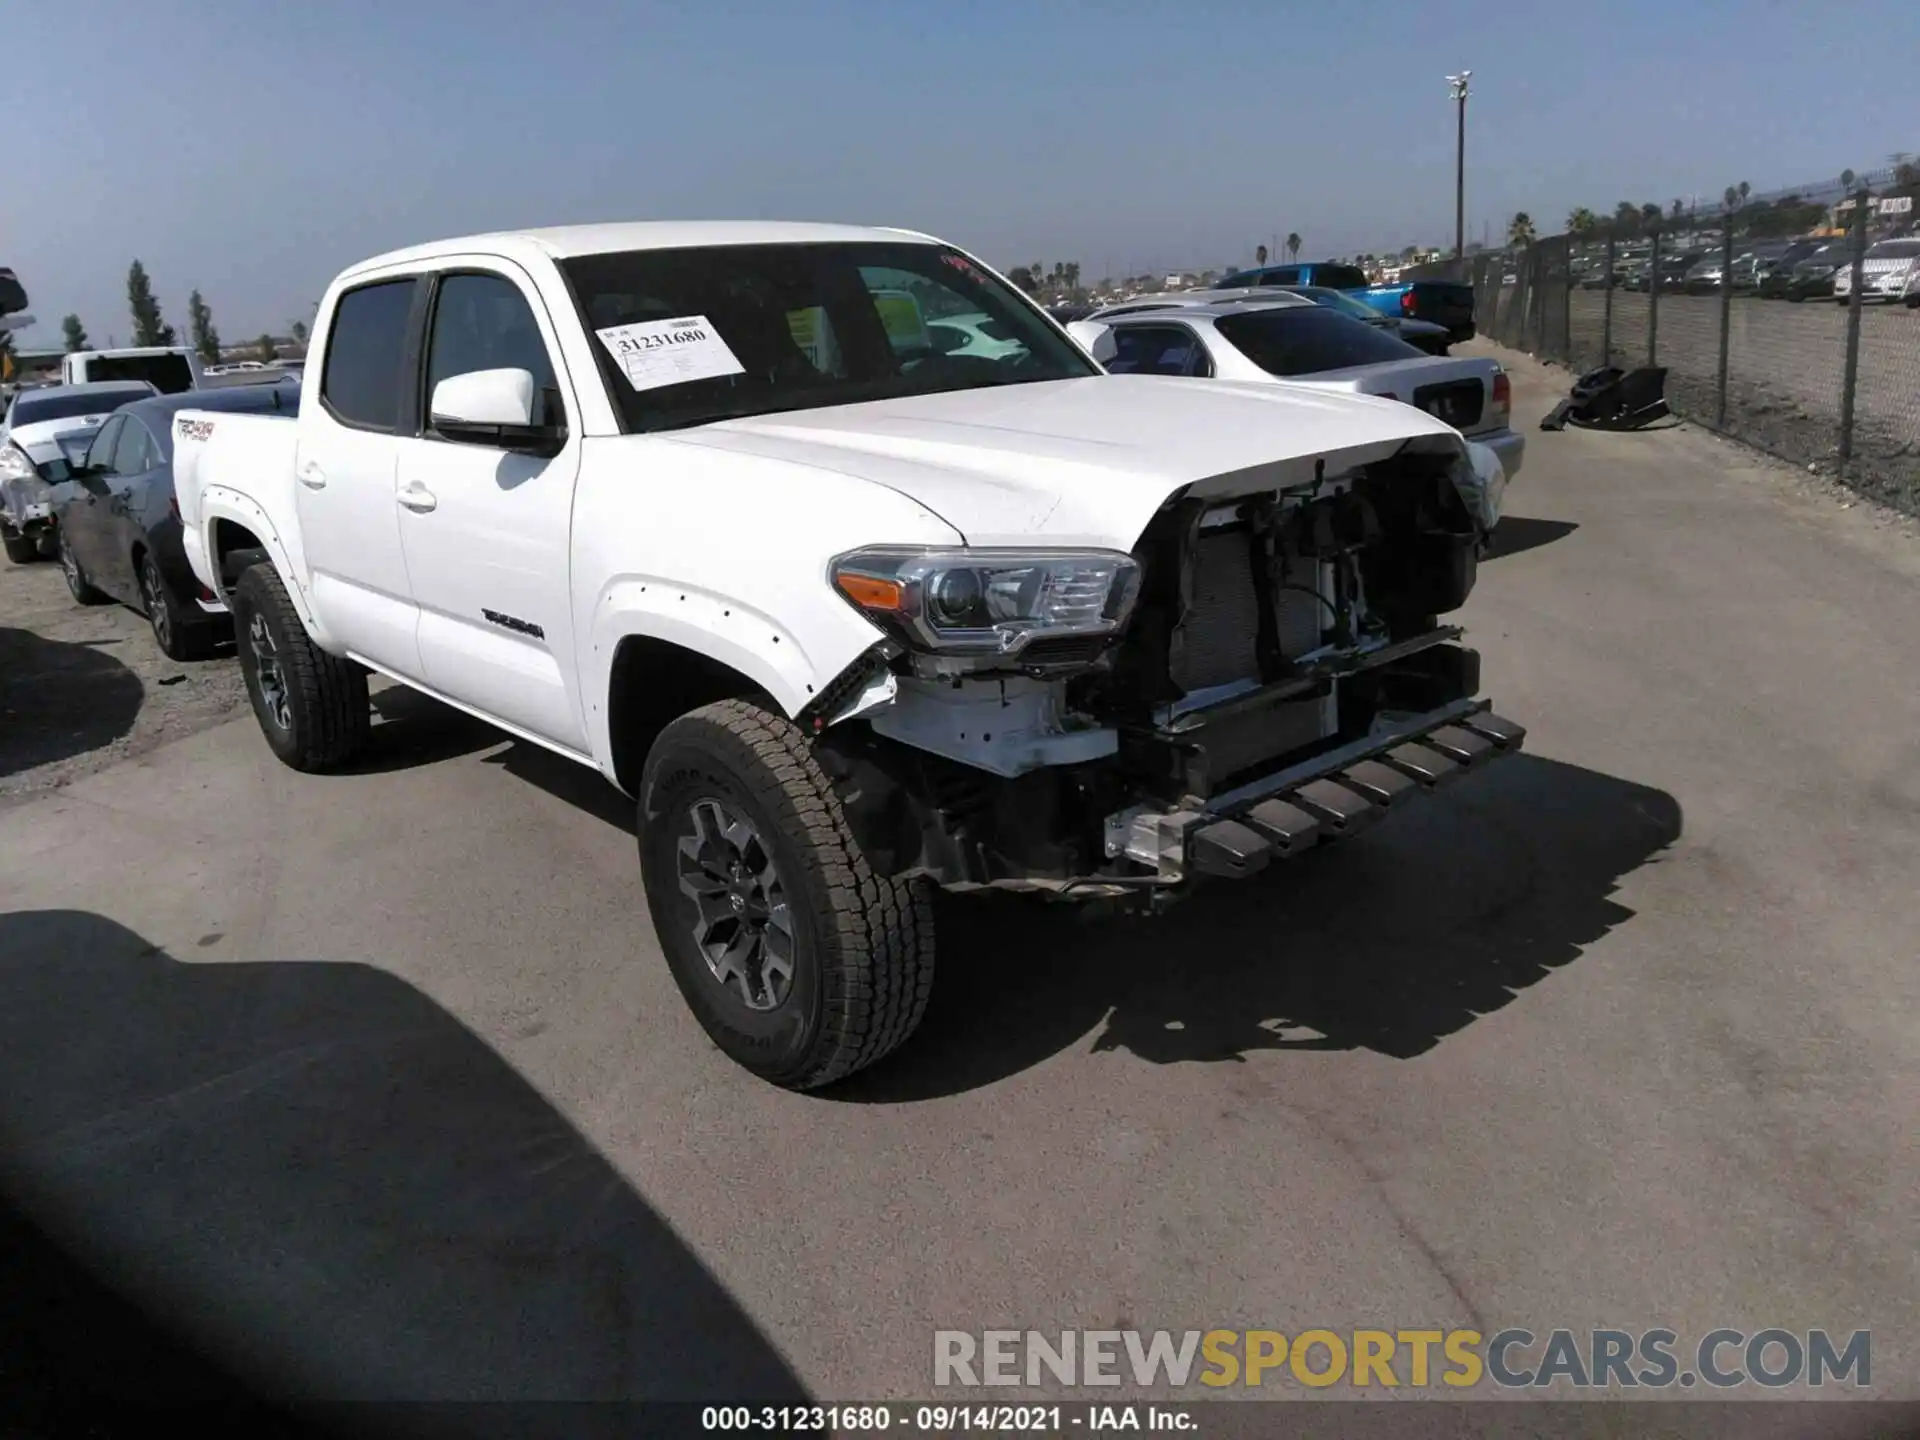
<point>1262,673</point>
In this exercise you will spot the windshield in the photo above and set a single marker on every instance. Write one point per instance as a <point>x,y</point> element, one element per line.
<point>690,336</point>
<point>169,374</point>
<point>1306,340</point>
<point>60,403</point>
<point>1895,250</point>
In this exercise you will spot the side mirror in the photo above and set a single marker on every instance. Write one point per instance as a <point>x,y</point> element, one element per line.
<point>493,407</point>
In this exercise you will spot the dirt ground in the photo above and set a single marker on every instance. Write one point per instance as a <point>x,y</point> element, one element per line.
<point>85,687</point>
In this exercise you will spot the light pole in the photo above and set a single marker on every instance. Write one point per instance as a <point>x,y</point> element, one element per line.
<point>1458,83</point>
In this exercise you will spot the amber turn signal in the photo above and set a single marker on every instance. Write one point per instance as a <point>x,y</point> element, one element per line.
<point>870,593</point>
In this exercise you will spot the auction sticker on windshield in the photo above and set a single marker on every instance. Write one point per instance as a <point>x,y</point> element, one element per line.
<point>670,352</point>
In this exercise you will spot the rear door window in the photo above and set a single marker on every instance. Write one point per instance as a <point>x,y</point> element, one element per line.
<point>366,346</point>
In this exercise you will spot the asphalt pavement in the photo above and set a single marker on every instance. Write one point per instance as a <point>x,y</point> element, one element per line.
<point>377,1085</point>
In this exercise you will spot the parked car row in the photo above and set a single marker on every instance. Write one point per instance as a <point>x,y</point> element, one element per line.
<point>45,433</point>
<point>856,572</point>
<point>1798,270</point>
<point>86,472</point>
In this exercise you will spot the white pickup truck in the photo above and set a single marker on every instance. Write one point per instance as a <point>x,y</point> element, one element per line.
<point>850,615</point>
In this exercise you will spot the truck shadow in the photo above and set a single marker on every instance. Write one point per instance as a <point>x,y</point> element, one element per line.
<point>326,1182</point>
<point>59,699</point>
<point>1390,942</point>
<point>411,729</point>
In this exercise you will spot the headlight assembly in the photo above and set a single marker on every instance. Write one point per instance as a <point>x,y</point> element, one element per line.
<point>989,602</point>
<point>14,464</point>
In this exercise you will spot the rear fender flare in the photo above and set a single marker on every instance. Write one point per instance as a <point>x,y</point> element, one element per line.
<point>220,503</point>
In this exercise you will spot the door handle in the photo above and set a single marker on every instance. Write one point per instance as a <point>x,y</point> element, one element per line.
<point>417,498</point>
<point>312,476</point>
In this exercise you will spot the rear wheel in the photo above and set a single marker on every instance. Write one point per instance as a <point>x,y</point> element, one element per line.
<point>312,706</point>
<point>181,632</point>
<point>78,585</point>
<point>800,962</point>
<point>21,549</point>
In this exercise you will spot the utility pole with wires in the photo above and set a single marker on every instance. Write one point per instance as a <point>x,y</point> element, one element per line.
<point>1458,87</point>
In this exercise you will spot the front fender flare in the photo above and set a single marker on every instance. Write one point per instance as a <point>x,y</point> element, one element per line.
<point>790,666</point>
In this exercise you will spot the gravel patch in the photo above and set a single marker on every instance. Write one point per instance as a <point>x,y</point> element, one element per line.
<point>84,687</point>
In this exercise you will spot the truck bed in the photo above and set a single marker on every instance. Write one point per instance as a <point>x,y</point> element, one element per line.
<point>249,455</point>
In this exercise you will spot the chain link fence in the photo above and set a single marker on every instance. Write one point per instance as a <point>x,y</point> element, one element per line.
<point>1789,321</point>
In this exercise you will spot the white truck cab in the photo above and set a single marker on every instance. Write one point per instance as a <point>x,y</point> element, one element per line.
<point>848,616</point>
<point>170,369</point>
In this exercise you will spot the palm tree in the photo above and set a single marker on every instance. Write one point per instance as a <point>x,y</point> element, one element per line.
<point>1259,255</point>
<point>1847,177</point>
<point>1651,214</point>
<point>1679,209</point>
<point>1582,221</point>
<point>1520,230</point>
<point>1293,244</point>
<point>1626,217</point>
<point>1745,190</point>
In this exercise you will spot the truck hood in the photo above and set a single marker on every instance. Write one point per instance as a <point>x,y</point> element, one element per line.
<point>1083,462</point>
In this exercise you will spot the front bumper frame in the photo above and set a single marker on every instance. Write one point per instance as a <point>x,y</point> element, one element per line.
<point>1327,797</point>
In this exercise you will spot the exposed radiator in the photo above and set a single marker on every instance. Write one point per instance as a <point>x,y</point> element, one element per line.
<point>1217,642</point>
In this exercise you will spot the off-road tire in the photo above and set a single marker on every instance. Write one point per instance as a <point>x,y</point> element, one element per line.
<point>327,708</point>
<point>21,549</point>
<point>79,587</point>
<point>863,942</point>
<point>182,632</point>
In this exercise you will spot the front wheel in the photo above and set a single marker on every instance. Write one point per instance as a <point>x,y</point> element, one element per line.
<point>799,961</point>
<point>312,706</point>
<point>78,585</point>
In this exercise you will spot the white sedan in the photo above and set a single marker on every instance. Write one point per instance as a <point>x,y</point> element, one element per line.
<point>1293,341</point>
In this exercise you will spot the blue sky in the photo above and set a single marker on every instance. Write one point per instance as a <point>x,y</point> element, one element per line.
<point>253,149</point>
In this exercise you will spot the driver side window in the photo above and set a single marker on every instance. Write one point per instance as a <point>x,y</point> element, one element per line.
<point>100,453</point>
<point>133,452</point>
<point>483,322</point>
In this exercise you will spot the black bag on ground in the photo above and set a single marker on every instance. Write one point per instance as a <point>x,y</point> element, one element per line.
<point>1613,399</point>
